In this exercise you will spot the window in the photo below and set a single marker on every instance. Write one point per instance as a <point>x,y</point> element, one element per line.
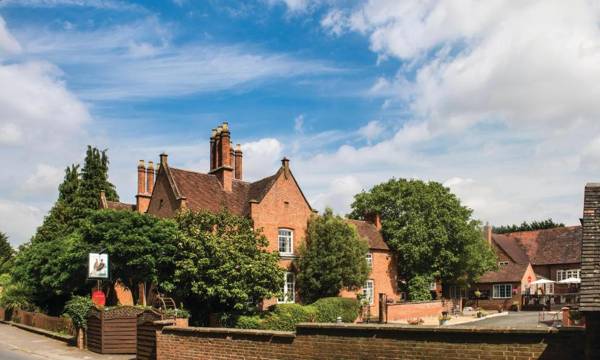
<point>286,242</point>
<point>288,293</point>
<point>370,260</point>
<point>502,291</point>
<point>565,274</point>
<point>503,263</point>
<point>369,291</point>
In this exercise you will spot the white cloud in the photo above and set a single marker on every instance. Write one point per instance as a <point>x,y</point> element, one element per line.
<point>372,130</point>
<point>10,134</point>
<point>261,158</point>
<point>7,42</point>
<point>45,179</point>
<point>18,220</point>
<point>299,124</point>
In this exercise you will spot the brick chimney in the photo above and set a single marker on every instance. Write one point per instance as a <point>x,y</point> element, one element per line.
<point>150,177</point>
<point>375,219</point>
<point>142,199</point>
<point>238,162</point>
<point>213,150</point>
<point>487,233</point>
<point>223,169</point>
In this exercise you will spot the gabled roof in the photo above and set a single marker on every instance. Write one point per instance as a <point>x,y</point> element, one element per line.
<point>369,231</point>
<point>512,272</point>
<point>205,192</point>
<point>116,205</point>
<point>560,245</point>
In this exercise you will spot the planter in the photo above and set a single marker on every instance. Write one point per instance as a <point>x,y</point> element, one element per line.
<point>179,322</point>
<point>112,331</point>
<point>443,322</point>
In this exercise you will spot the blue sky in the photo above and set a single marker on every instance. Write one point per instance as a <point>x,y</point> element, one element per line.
<point>496,101</point>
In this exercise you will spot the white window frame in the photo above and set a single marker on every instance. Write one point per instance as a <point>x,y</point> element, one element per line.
<point>499,291</point>
<point>369,291</point>
<point>288,292</point>
<point>289,242</point>
<point>369,258</point>
<point>502,263</point>
<point>565,274</point>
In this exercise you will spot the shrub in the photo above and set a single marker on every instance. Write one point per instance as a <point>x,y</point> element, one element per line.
<point>284,317</point>
<point>77,309</point>
<point>249,322</point>
<point>177,313</point>
<point>418,288</point>
<point>328,309</point>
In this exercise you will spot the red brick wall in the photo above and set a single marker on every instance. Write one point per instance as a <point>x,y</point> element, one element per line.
<point>325,341</point>
<point>411,310</point>
<point>384,276</point>
<point>162,191</point>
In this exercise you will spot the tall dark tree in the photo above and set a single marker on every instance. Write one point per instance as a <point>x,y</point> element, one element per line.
<point>431,232</point>
<point>333,258</point>
<point>525,226</point>
<point>94,179</point>
<point>6,253</point>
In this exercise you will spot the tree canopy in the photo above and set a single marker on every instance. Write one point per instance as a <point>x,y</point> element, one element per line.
<point>525,226</point>
<point>431,232</point>
<point>333,258</point>
<point>221,264</point>
<point>6,253</point>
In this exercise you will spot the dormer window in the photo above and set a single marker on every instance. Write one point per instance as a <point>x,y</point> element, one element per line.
<point>286,242</point>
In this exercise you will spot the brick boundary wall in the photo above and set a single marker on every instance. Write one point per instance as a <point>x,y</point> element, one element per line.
<point>411,310</point>
<point>352,341</point>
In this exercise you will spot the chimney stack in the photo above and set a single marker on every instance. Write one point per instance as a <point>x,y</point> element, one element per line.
<point>223,154</point>
<point>141,177</point>
<point>238,162</point>
<point>487,233</point>
<point>213,150</point>
<point>375,219</point>
<point>142,199</point>
<point>150,176</point>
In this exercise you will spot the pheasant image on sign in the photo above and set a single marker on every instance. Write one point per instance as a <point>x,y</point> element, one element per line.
<point>98,266</point>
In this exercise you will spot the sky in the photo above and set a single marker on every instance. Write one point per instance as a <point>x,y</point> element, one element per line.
<point>498,100</point>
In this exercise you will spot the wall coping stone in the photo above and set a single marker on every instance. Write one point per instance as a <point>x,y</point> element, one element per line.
<point>228,331</point>
<point>434,329</point>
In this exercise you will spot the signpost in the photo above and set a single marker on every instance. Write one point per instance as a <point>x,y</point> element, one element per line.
<point>98,269</point>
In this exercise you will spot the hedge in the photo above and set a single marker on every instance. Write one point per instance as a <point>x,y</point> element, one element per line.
<point>328,309</point>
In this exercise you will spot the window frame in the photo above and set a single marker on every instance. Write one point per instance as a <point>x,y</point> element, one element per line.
<point>291,242</point>
<point>502,263</point>
<point>369,258</point>
<point>366,288</point>
<point>497,294</point>
<point>286,289</point>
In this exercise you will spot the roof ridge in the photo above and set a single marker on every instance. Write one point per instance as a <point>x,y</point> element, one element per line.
<point>539,230</point>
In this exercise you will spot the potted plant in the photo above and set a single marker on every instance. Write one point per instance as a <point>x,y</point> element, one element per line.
<point>477,294</point>
<point>444,318</point>
<point>481,313</point>
<point>181,316</point>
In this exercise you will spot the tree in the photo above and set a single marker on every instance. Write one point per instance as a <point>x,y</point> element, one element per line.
<point>525,226</point>
<point>431,233</point>
<point>6,253</point>
<point>140,246</point>
<point>94,179</point>
<point>221,264</point>
<point>333,258</point>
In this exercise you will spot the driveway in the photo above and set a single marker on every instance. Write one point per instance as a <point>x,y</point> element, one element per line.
<point>17,344</point>
<point>522,319</point>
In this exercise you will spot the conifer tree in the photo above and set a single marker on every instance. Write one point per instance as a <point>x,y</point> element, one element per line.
<point>94,179</point>
<point>6,253</point>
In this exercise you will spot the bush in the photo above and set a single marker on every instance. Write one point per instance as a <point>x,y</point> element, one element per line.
<point>285,317</point>
<point>177,313</point>
<point>328,309</point>
<point>418,288</point>
<point>77,309</point>
<point>249,322</point>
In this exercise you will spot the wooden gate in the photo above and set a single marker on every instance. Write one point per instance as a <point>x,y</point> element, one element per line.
<point>113,331</point>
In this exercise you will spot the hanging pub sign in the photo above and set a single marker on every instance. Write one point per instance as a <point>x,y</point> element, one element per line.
<point>98,266</point>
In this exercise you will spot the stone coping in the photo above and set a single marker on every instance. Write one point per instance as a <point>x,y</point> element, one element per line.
<point>228,331</point>
<point>435,329</point>
<point>415,302</point>
<point>53,335</point>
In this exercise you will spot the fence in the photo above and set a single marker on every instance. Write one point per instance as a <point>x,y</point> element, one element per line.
<point>42,321</point>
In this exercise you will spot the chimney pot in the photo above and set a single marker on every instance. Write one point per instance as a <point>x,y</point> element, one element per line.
<point>163,159</point>
<point>238,161</point>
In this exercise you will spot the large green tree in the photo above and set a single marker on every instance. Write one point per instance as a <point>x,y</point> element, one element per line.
<point>333,258</point>
<point>221,264</point>
<point>140,246</point>
<point>431,232</point>
<point>525,226</point>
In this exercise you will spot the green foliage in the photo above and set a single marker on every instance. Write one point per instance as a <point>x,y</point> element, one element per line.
<point>177,313</point>
<point>328,309</point>
<point>221,264</point>
<point>14,295</point>
<point>6,254</point>
<point>525,226</point>
<point>431,233</point>
<point>418,288</point>
<point>77,309</point>
<point>249,322</point>
<point>284,317</point>
<point>140,246</point>
<point>333,258</point>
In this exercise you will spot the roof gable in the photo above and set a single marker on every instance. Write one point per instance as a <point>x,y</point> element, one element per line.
<point>369,231</point>
<point>511,272</point>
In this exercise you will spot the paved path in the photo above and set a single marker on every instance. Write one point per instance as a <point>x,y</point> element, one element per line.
<point>523,319</point>
<point>17,344</point>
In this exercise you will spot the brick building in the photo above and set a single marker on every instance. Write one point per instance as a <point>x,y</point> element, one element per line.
<point>276,204</point>
<point>525,256</point>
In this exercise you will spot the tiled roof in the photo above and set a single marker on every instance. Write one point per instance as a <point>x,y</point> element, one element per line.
<point>368,230</point>
<point>204,191</point>
<point>507,273</point>
<point>560,245</point>
<point>116,205</point>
